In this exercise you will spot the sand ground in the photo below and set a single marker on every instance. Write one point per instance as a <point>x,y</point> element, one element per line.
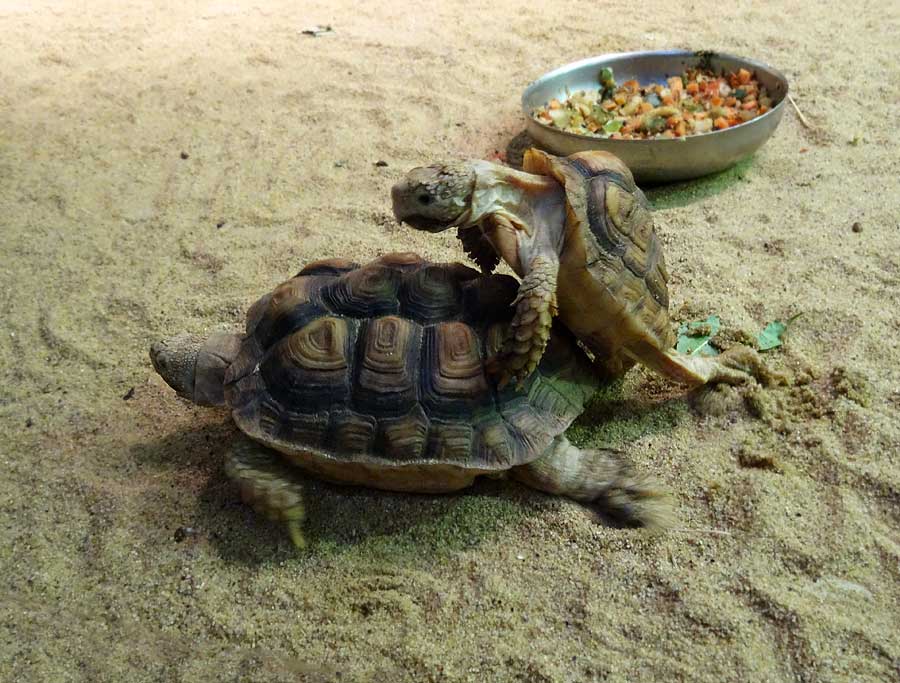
<point>164,163</point>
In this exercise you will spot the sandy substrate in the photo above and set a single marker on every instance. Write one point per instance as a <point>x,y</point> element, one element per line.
<point>163,164</point>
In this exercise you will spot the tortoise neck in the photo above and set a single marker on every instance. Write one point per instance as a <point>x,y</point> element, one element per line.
<point>503,190</point>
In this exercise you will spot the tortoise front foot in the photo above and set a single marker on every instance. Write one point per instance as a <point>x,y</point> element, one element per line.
<point>529,330</point>
<point>267,485</point>
<point>741,362</point>
<point>738,365</point>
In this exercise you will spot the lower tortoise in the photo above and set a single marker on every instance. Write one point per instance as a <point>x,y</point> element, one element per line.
<point>375,376</point>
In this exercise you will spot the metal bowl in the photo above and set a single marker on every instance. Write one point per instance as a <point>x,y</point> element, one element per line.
<point>664,159</point>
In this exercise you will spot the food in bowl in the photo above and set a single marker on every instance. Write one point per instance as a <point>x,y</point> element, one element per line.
<point>699,101</point>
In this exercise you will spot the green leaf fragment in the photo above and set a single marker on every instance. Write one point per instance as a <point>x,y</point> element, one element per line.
<point>693,337</point>
<point>770,337</point>
<point>613,126</point>
<point>607,83</point>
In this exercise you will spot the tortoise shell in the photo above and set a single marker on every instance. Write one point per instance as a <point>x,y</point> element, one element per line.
<point>611,217</point>
<point>375,375</point>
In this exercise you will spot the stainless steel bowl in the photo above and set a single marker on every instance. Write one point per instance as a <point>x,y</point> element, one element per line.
<point>666,159</point>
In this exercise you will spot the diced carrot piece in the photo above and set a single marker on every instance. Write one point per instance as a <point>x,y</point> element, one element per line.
<point>720,123</point>
<point>673,121</point>
<point>751,104</point>
<point>716,101</point>
<point>668,99</point>
<point>681,129</point>
<point>744,76</point>
<point>626,128</point>
<point>693,88</point>
<point>763,109</point>
<point>730,101</point>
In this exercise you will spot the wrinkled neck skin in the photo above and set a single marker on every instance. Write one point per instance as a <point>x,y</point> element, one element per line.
<point>533,204</point>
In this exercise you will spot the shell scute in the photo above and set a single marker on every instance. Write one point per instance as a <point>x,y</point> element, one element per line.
<point>531,433</point>
<point>430,294</point>
<point>308,428</point>
<point>310,368</point>
<point>290,306</point>
<point>352,433</point>
<point>363,293</point>
<point>330,266</point>
<point>404,438</point>
<point>493,443</point>
<point>387,376</point>
<point>453,379</point>
<point>402,260</point>
<point>450,442</point>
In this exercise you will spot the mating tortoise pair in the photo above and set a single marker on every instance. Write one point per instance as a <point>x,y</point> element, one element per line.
<point>381,375</point>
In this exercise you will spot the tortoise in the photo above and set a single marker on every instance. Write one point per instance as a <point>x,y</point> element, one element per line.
<point>374,375</point>
<point>580,235</point>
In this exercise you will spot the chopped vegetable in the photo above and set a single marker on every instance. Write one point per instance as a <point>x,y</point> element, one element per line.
<point>613,125</point>
<point>698,101</point>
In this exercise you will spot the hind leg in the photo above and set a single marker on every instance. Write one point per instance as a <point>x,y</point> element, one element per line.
<point>267,484</point>
<point>600,478</point>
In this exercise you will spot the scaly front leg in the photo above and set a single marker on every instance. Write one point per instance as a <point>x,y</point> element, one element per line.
<point>529,329</point>
<point>267,484</point>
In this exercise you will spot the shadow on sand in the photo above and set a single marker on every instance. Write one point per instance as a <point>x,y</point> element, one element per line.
<point>339,519</point>
<point>396,527</point>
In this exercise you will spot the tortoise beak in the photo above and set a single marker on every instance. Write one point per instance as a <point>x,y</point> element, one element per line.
<point>406,211</point>
<point>399,202</point>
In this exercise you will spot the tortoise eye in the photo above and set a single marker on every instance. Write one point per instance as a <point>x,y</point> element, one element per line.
<point>424,199</point>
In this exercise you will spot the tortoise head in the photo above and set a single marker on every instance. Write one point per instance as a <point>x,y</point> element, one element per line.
<point>434,198</point>
<point>195,367</point>
<point>175,360</point>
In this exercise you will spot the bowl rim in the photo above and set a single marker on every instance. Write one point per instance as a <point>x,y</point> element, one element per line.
<point>599,59</point>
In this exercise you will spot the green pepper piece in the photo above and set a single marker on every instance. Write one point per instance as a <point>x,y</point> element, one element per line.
<point>607,82</point>
<point>613,126</point>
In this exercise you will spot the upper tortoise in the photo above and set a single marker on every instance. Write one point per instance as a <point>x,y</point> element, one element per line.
<point>579,233</point>
<point>375,375</point>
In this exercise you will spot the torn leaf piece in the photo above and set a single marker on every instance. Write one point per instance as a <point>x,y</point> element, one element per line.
<point>693,337</point>
<point>770,337</point>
